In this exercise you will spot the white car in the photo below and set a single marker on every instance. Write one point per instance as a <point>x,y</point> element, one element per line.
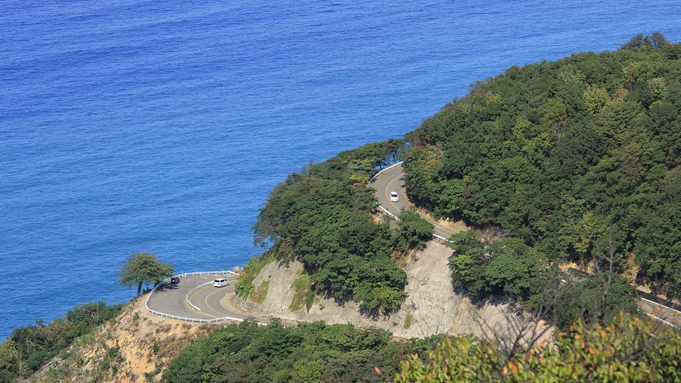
<point>394,197</point>
<point>220,282</point>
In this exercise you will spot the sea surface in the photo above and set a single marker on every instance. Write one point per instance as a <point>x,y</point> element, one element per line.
<point>144,126</point>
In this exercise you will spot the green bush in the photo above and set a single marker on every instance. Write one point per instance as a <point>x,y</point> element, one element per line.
<point>244,285</point>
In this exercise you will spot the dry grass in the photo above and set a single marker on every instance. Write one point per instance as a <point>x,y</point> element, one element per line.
<point>147,343</point>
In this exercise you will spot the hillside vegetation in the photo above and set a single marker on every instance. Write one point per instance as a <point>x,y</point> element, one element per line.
<point>310,352</point>
<point>631,350</point>
<point>129,346</point>
<point>576,160</point>
<point>28,348</point>
<point>323,218</point>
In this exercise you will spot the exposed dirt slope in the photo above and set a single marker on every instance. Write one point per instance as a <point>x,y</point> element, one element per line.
<point>136,346</point>
<point>431,307</point>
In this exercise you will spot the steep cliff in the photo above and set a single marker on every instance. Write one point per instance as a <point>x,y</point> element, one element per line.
<point>432,307</point>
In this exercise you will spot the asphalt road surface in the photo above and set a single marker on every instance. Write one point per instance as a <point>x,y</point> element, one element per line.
<point>393,180</point>
<point>206,300</point>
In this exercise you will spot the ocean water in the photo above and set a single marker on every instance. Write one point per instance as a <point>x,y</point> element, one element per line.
<point>161,127</point>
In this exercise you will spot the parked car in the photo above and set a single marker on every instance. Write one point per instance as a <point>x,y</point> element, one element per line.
<point>220,282</point>
<point>394,197</point>
<point>174,280</point>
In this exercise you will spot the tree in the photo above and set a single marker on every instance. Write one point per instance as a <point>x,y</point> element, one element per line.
<point>141,268</point>
<point>635,41</point>
<point>413,231</point>
<point>516,269</point>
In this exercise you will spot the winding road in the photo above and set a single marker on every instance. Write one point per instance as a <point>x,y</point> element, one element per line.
<point>392,179</point>
<point>195,299</point>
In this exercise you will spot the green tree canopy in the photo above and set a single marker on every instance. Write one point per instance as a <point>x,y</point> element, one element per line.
<point>412,231</point>
<point>144,268</point>
<point>566,156</point>
<point>309,352</point>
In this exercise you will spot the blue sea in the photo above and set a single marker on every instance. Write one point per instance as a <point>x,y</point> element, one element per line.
<point>143,126</point>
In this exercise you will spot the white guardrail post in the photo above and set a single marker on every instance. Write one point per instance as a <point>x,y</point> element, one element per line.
<point>384,170</point>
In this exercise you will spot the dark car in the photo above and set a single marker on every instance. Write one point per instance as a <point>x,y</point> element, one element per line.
<point>174,280</point>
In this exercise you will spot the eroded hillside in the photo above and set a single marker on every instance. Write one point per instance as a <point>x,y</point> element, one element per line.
<point>135,347</point>
<point>432,306</point>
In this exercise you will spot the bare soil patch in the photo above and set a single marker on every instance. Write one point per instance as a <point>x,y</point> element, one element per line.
<point>432,307</point>
<point>135,348</point>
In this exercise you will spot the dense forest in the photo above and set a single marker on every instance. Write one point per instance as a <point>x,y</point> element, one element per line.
<point>309,352</point>
<point>580,159</point>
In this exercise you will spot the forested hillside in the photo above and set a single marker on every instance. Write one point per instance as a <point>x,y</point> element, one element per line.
<point>323,218</point>
<point>580,159</point>
<point>631,350</point>
<point>310,352</point>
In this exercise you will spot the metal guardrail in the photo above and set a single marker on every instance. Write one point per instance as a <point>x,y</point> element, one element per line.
<point>186,297</point>
<point>384,170</point>
<point>656,317</point>
<point>197,320</point>
<point>393,216</point>
<point>194,320</point>
<point>209,272</point>
<point>441,238</point>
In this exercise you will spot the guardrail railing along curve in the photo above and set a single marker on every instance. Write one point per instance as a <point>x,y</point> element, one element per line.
<point>393,216</point>
<point>194,320</point>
